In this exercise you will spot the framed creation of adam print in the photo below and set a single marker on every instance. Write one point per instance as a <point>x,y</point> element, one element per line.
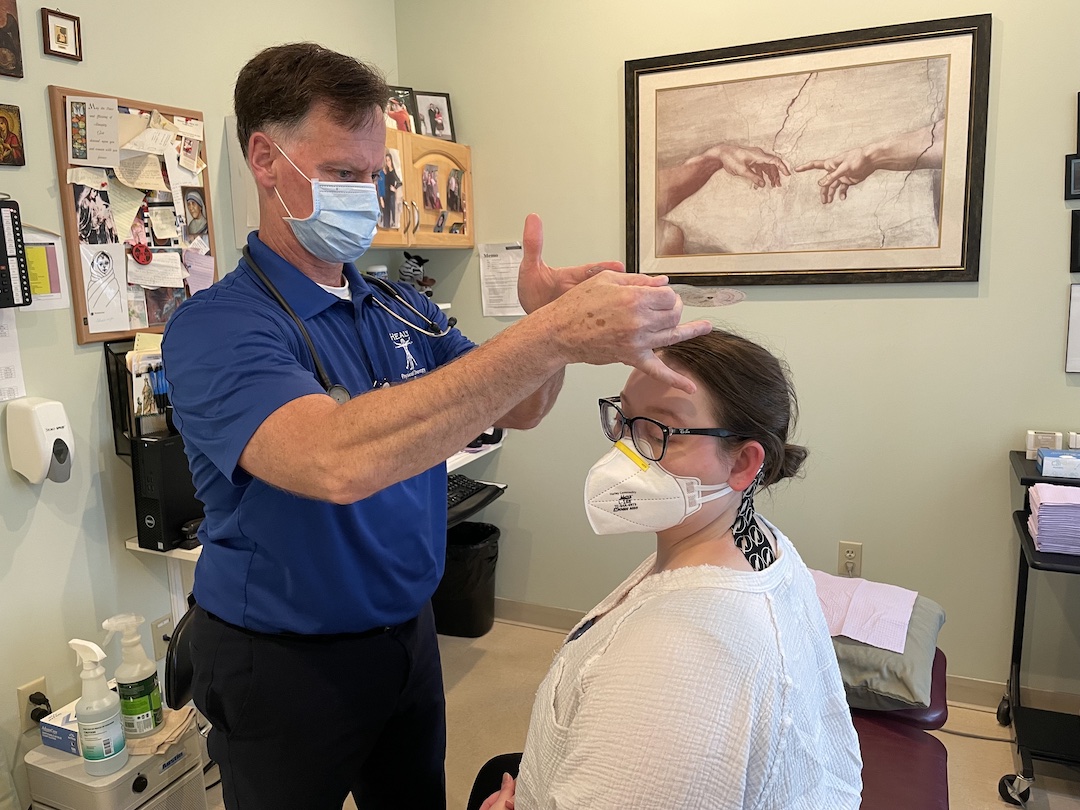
<point>838,158</point>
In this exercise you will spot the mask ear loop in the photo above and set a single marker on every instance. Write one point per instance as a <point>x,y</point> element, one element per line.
<point>748,536</point>
<point>314,197</point>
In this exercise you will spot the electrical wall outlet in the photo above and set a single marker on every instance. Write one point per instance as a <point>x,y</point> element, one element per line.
<point>161,629</point>
<point>850,560</point>
<point>26,722</point>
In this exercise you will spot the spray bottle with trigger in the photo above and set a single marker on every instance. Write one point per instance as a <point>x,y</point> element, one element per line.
<point>136,678</point>
<point>101,734</point>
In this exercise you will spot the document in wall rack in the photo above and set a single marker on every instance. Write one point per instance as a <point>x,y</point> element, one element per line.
<point>499,263</point>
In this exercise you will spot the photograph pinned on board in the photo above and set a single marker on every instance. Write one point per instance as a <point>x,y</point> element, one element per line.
<point>401,109</point>
<point>140,228</point>
<point>11,61</point>
<point>11,136</point>
<point>94,215</point>
<point>189,153</point>
<point>429,182</point>
<point>61,34</point>
<point>436,119</point>
<point>161,303</point>
<point>194,212</point>
<point>77,118</point>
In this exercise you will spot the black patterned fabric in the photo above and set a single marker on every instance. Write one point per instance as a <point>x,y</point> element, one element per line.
<point>749,538</point>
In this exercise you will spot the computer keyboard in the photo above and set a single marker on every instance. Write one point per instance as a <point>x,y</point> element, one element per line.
<point>465,496</point>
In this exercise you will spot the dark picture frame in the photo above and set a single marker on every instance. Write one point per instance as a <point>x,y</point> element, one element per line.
<point>61,34</point>
<point>752,164</point>
<point>434,116</point>
<point>1072,177</point>
<point>404,97</point>
<point>1074,243</point>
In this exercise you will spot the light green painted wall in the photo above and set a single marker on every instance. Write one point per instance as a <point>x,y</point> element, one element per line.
<point>912,395</point>
<point>63,565</point>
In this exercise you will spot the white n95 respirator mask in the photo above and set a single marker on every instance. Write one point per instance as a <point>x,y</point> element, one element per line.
<point>626,493</point>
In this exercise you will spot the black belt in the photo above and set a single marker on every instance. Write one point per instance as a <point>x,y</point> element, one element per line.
<point>315,638</point>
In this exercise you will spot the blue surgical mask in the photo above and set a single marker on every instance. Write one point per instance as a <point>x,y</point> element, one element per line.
<point>342,222</point>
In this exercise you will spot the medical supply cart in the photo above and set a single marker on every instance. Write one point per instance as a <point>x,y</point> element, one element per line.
<point>1040,734</point>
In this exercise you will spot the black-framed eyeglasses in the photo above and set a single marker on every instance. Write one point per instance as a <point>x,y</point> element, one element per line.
<point>650,438</point>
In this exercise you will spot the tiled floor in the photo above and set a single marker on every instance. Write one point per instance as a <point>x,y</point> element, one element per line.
<point>490,682</point>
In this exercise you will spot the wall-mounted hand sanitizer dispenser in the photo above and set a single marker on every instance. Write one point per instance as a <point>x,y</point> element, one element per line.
<point>39,439</point>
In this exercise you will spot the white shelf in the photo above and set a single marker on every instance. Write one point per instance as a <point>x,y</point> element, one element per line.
<point>173,558</point>
<point>187,554</point>
<point>459,460</point>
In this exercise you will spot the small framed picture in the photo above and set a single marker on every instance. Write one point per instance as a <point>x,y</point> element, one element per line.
<point>401,109</point>
<point>61,34</point>
<point>433,110</point>
<point>1074,250</point>
<point>440,223</point>
<point>1072,177</point>
<point>457,227</point>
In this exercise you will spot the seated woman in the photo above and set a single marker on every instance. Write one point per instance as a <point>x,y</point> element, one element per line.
<point>707,679</point>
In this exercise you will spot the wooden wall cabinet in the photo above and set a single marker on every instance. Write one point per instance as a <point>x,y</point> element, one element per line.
<point>412,225</point>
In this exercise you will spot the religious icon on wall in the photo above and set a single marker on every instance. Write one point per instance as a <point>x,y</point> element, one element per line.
<point>11,61</point>
<point>11,136</point>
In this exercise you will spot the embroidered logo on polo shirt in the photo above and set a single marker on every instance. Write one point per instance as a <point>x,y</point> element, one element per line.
<point>403,340</point>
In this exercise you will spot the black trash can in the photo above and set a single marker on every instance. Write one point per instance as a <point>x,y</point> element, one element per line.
<point>464,602</point>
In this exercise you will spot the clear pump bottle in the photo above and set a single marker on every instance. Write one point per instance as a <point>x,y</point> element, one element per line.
<point>136,678</point>
<point>101,734</point>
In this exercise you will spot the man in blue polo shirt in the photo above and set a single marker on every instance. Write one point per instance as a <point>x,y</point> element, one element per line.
<point>317,411</point>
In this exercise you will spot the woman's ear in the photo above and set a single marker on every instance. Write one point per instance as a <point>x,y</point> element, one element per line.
<point>746,462</point>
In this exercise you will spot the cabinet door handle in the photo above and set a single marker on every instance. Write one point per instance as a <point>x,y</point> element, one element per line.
<point>408,216</point>
<point>416,210</point>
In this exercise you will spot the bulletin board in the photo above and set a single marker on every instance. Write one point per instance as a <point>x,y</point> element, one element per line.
<point>138,221</point>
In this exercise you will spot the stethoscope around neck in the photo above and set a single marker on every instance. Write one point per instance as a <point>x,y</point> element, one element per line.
<point>339,393</point>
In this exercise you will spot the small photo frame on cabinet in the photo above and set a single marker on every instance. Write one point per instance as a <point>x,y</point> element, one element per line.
<point>61,34</point>
<point>1072,177</point>
<point>1074,248</point>
<point>435,117</point>
<point>401,109</point>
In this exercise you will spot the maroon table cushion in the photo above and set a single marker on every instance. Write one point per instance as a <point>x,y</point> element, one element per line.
<point>903,767</point>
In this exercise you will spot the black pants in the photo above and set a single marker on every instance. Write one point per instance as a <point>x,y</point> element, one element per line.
<point>489,779</point>
<point>302,722</point>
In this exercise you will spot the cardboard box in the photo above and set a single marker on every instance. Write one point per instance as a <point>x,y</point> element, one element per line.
<point>60,731</point>
<point>1059,463</point>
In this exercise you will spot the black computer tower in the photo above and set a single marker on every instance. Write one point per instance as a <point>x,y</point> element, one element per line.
<point>164,494</point>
